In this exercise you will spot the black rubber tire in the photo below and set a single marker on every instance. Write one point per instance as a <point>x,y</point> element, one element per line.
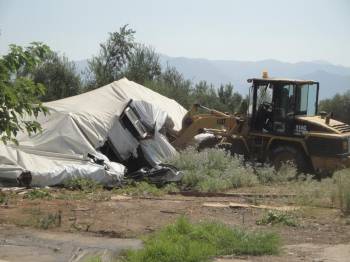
<point>209,142</point>
<point>284,154</point>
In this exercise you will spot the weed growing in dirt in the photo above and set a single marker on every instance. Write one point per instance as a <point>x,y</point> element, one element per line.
<point>38,194</point>
<point>83,184</point>
<point>39,219</point>
<point>184,241</point>
<point>49,220</point>
<point>277,217</point>
<point>3,198</point>
<point>140,189</point>
<point>93,259</point>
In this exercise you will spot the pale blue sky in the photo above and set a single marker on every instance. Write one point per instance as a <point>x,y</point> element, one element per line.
<point>252,30</point>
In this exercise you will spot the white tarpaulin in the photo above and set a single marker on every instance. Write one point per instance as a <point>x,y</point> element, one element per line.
<point>79,125</point>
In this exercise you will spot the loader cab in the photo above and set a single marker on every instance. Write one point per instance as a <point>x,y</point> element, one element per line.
<point>275,103</point>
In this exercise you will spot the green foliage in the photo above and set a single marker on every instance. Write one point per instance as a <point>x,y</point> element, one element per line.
<point>268,175</point>
<point>173,85</point>
<point>112,60</point>
<point>18,93</point>
<point>212,170</point>
<point>59,76</point>
<point>43,220</point>
<point>93,259</point>
<point>83,184</point>
<point>122,56</point>
<point>184,241</point>
<point>222,99</point>
<point>339,105</point>
<point>140,189</point>
<point>143,65</point>
<point>38,194</point>
<point>49,221</point>
<point>277,217</point>
<point>3,198</point>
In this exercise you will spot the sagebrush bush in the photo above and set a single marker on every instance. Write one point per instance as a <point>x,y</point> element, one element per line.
<point>143,188</point>
<point>278,217</point>
<point>213,170</point>
<point>268,174</point>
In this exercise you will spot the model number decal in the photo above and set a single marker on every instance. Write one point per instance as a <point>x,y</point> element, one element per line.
<point>220,121</point>
<point>300,129</point>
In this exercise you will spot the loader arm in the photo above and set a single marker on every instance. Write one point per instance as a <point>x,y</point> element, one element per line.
<point>214,122</point>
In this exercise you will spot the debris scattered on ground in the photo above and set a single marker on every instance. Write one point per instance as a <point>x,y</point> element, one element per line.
<point>120,198</point>
<point>240,205</point>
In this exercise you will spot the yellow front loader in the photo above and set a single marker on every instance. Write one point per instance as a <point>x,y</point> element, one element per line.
<point>282,125</point>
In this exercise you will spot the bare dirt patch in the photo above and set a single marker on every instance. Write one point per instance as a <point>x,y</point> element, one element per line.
<point>320,233</point>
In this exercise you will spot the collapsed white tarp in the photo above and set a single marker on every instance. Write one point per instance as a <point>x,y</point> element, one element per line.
<point>79,125</point>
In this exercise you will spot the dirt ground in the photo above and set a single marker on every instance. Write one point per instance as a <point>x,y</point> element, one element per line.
<point>322,234</point>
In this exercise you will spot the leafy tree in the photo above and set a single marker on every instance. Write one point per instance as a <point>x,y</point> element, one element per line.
<point>143,65</point>
<point>243,108</point>
<point>205,94</point>
<point>223,99</point>
<point>232,100</point>
<point>18,93</point>
<point>59,76</point>
<point>339,105</point>
<point>173,85</point>
<point>114,55</point>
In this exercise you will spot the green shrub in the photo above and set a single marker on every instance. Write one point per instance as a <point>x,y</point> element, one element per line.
<point>83,184</point>
<point>39,219</point>
<point>3,197</point>
<point>140,189</point>
<point>38,194</point>
<point>239,175</point>
<point>184,241</point>
<point>277,217</point>
<point>212,170</point>
<point>268,175</point>
<point>49,220</point>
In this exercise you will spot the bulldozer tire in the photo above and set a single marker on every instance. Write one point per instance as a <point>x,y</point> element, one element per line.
<point>289,154</point>
<point>209,142</point>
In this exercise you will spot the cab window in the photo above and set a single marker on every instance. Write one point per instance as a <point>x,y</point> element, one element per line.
<point>307,100</point>
<point>283,100</point>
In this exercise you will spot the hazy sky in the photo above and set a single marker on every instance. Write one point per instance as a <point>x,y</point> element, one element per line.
<point>295,30</point>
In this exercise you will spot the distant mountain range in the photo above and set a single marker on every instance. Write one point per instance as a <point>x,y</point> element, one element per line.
<point>333,78</point>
